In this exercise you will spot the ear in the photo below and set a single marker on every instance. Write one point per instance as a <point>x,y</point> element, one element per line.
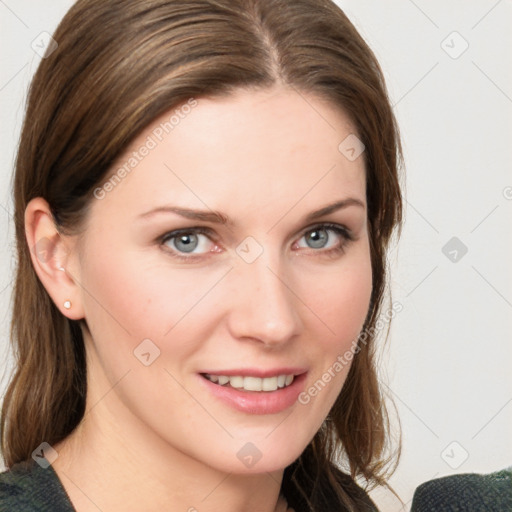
<point>53,258</point>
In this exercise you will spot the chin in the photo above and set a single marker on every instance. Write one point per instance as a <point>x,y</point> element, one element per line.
<point>264,453</point>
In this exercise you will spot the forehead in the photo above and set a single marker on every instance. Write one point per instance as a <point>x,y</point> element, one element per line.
<point>250,150</point>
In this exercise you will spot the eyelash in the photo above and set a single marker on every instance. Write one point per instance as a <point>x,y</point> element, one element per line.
<point>333,252</point>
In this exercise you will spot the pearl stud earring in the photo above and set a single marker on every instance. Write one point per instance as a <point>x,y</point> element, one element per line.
<point>67,304</point>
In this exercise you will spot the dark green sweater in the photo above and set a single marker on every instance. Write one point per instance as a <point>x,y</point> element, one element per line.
<point>27,487</point>
<point>466,492</point>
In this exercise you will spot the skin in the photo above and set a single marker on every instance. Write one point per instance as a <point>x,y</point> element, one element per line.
<point>152,437</point>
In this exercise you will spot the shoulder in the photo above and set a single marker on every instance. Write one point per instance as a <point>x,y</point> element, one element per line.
<point>28,487</point>
<point>483,493</point>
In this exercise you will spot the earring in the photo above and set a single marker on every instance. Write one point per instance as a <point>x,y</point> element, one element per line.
<point>67,304</point>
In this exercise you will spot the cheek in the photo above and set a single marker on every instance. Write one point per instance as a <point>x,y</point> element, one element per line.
<point>340,298</point>
<point>143,298</point>
<point>350,302</point>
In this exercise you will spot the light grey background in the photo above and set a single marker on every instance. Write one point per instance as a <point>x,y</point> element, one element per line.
<point>448,361</point>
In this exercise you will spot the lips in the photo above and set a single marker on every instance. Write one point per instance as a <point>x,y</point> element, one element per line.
<point>255,391</point>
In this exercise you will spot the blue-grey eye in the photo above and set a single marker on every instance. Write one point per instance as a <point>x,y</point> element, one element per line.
<point>324,237</point>
<point>193,241</point>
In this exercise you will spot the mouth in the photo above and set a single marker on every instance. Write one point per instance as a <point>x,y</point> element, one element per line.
<point>251,383</point>
<point>255,391</point>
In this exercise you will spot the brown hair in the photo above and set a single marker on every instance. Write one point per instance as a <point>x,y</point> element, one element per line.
<point>119,65</point>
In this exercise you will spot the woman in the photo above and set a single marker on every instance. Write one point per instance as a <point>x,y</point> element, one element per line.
<point>204,194</point>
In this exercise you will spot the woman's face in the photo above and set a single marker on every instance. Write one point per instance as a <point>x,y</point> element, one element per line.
<point>177,303</point>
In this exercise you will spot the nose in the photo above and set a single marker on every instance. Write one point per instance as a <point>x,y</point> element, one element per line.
<point>264,306</point>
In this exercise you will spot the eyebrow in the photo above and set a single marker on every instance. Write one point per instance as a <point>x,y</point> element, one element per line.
<point>216,217</point>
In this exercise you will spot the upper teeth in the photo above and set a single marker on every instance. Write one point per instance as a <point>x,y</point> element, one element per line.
<point>252,383</point>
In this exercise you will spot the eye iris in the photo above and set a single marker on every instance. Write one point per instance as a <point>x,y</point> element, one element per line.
<point>188,241</point>
<point>318,237</point>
